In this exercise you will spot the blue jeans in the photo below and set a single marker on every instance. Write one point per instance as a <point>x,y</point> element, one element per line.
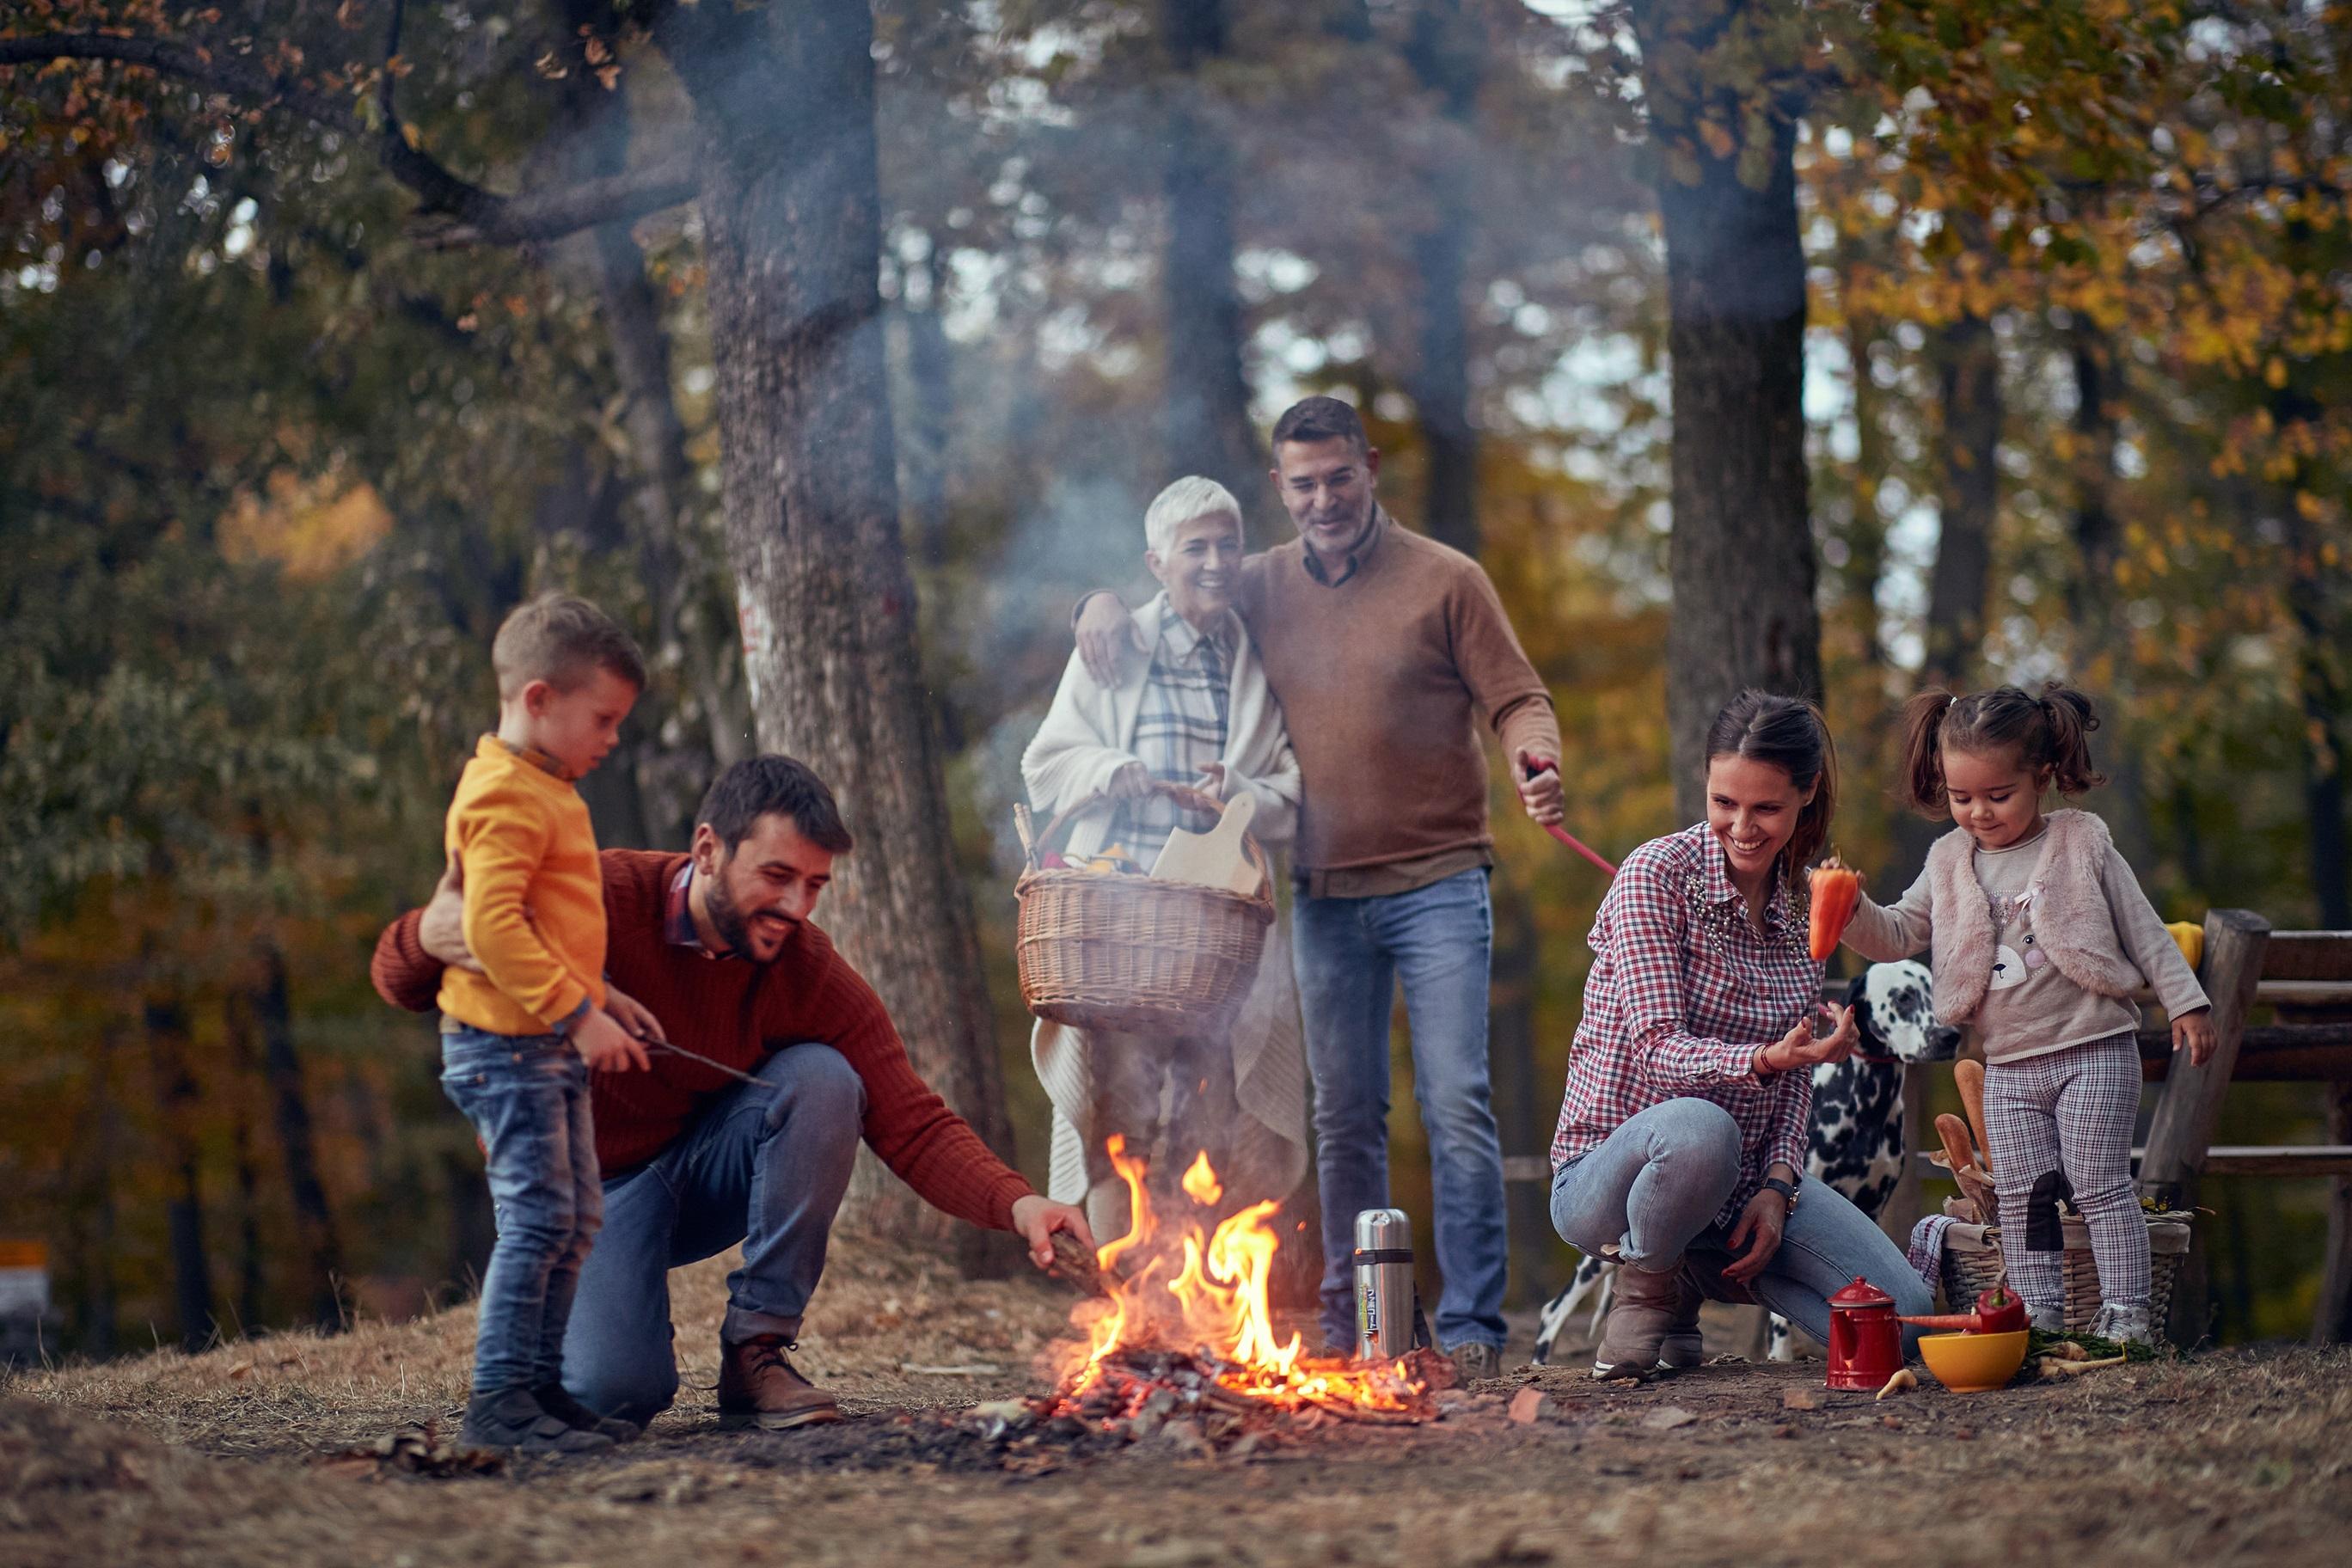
<point>1349,954</point>
<point>766,1164</point>
<point>1654,1186</point>
<point>527,1095</point>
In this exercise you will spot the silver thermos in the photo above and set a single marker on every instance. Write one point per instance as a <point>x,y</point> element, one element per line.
<point>1384,1294</point>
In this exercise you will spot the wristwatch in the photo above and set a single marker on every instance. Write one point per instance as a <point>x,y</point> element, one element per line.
<point>1786,1189</point>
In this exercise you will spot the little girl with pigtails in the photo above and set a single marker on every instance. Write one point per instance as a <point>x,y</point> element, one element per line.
<point>2042,936</point>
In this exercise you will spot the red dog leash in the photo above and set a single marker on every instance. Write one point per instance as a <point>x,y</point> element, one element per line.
<point>1535,766</point>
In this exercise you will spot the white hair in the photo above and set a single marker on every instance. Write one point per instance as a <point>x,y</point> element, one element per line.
<point>1189,497</point>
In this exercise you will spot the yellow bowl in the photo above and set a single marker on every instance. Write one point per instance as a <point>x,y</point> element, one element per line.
<point>1971,1364</point>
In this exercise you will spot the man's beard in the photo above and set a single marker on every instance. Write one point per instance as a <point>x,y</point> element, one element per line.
<point>734,928</point>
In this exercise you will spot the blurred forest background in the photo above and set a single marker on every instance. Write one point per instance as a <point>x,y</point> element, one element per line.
<point>296,409</point>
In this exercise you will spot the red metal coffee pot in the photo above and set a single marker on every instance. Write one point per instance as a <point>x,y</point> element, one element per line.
<point>1865,1341</point>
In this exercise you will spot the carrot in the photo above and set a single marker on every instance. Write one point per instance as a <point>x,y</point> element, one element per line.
<point>1836,891</point>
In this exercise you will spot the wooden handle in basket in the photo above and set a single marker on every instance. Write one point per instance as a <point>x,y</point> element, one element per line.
<point>1183,795</point>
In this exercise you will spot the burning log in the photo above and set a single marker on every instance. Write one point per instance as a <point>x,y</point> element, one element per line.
<point>1166,1285</point>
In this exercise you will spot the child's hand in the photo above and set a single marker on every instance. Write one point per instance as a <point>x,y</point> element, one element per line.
<point>634,1016</point>
<point>604,1046</point>
<point>2195,1031</point>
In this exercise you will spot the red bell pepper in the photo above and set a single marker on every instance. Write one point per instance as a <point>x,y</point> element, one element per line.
<point>1998,1312</point>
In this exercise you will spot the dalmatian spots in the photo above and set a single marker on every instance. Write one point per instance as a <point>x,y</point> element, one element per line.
<point>1855,1143</point>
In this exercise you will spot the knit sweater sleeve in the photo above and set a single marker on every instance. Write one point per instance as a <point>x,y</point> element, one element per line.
<point>1495,669</point>
<point>406,975</point>
<point>912,1129</point>
<point>1883,933</point>
<point>2139,931</point>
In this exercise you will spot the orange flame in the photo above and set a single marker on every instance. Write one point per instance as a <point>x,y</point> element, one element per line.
<point>1210,1297</point>
<point>1201,1183</point>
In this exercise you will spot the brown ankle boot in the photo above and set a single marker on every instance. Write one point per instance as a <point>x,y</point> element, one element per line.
<point>1640,1311</point>
<point>1682,1349</point>
<point>759,1386</point>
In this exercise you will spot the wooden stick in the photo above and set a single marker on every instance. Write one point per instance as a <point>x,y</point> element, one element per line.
<point>1074,1263</point>
<point>1969,1076</point>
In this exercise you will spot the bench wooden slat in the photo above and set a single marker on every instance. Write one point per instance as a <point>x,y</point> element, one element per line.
<point>2267,1053</point>
<point>2308,955</point>
<point>2234,1160</point>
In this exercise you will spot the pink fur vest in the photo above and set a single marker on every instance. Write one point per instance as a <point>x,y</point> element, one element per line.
<point>2071,920</point>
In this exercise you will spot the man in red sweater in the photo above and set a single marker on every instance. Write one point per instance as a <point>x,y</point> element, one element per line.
<point>717,945</point>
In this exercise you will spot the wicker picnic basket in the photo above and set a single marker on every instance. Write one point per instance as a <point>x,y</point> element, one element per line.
<point>1972,1264</point>
<point>1134,954</point>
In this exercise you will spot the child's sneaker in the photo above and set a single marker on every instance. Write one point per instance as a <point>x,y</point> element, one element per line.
<point>557,1401</point>
<point>2124,1325</point>
<point>513,1420</point>
<point>2046,1320</point>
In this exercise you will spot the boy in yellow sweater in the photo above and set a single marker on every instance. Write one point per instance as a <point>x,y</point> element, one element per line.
<point>518,1038</point>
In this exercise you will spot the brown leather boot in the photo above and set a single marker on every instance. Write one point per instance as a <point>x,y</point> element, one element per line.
<point>759,1386</point>
<point>1682,1349</point>
<point>1641,1304</point>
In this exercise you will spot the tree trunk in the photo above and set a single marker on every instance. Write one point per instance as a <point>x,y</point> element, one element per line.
<point>282,1067</point>
<point>2098,538</point>
<point>95,1147</point>
<point>177,1097</point>
<point>670,780</point>
<point>2319,685</point>
<point>2090,593</point>
<point>1865,565</point>
<point>930,386</point>
<point>1519,1098</point>
<point>1206,410</point>
<point>1968,375</point>
<point>1443,53</point>
<point>1742,561</point>
<point>1968,381</point>
<point>783,98</point>
<point>250,1314</point>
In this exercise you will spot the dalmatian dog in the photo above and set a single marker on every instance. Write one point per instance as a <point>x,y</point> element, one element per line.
<point>1856,1141</point>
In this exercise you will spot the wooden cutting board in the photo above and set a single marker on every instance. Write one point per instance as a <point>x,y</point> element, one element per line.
<point>1214,858</point>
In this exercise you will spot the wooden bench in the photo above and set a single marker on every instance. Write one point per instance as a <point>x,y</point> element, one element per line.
<point>2304,979</point>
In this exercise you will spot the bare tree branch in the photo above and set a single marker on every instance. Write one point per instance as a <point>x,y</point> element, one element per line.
<point>455,212</point>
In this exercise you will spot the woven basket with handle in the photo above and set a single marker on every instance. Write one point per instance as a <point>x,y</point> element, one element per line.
<point>1972,1264</point>
<point>1134,954</point>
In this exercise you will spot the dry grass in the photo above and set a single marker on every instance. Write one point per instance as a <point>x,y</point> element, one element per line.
<point>2233,1458</point>
<point>879,1311</point>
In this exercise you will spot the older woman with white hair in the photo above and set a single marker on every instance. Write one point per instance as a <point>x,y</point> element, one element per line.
<point>1191,706</point>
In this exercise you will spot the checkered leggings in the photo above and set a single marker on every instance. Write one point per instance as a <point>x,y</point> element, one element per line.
<point>2070,1111</point>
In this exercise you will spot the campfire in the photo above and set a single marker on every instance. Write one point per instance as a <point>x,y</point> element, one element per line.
<point>1183,1326</point>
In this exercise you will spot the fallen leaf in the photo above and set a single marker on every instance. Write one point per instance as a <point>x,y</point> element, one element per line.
<point>1666,1417</point>
<point>1800,1399</point>
<point>1527,1406</point>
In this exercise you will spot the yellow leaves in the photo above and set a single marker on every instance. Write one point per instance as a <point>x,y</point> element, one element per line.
<point>311,528</point>
<point>1718,137</point>
<point>2274,373</point>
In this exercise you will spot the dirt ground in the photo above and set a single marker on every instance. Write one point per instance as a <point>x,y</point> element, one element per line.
<point>228,1458</point>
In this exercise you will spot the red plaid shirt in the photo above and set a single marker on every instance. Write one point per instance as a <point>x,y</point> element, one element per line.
<point>1682,992</point>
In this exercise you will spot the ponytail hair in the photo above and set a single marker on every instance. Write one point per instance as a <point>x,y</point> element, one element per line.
<point>1922,750</point>
<point>1789,733</point>
<point>2046,734</point>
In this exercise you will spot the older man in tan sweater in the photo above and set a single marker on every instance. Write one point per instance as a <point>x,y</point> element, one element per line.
<point>1385,649</point>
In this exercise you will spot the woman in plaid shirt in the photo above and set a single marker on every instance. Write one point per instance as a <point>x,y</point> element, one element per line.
<point>1684,1127</point>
